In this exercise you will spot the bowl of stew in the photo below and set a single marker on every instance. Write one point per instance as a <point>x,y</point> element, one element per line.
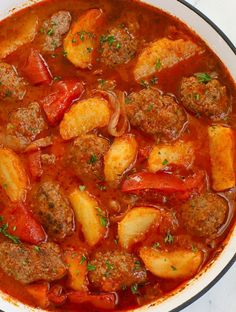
<point>117,155</point>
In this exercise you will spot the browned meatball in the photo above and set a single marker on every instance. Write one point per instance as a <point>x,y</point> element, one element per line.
<point>203,215</point>
<point>54,211</point>
<point>86,155</point>
<point>28,264</point>
<point>11,85</point>
<point>54,28</point>
<point>118,46</point>
<point>207,99</point>
<point>113,270</point>
<point>156,114</point>
<point>24,125</point>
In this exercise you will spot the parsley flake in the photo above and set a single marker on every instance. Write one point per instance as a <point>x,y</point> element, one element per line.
<point>169,238</point>
<point>203,77</point>
<point>134,289</point>
<point>165,162</point>
<point>158,64</point>
<point>91,267</point>
<point>83,259</point>
<point>93,159</point>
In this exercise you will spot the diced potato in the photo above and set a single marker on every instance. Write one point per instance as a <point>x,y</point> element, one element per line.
<point>89,215</point>
<point>161,54</point>
<point>39,292</point>
<point>80,42</point>
<point>178,153</point>
<point>120,157</point>
<point>12,36</point>
<point>13,177</point>
<point>221,143</point>
<point>84,116</point>
<point>136,224</point>
<point>77,270</point>
<point>172,264</point>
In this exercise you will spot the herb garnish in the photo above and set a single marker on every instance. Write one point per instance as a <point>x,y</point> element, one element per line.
<point>103,219</point>
<point>169,238</point>
<point>203,77</point>
<point>91,267</point>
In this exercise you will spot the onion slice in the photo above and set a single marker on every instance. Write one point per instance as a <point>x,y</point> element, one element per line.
<point>118,117</point>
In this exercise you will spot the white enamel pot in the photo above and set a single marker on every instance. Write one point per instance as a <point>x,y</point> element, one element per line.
<point>226,51</point>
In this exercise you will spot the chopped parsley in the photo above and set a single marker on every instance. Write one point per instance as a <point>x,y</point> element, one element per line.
<point>101,82</point>
<point>158,64</point>
<point>14,228</point>
<point>128,100</point>
<point>156,245</point>
<point>50,32</point>
<point>109,266</point>
<point>89,49</point>
<point>82,188</point>
<point>173,268</point>
<point>118,45</point>
<point>196,96</point>
<point>73,40</point>
<point>203,77</point>
<point>169,238</point>
<point>65,53</point>
<point>8,93</point>
<point>83,259</point>
<point>194,249</point>
<point>137,265</point>
<point>165,162</point>
<point>134,289</point>
<point>101,215</point>
<point>37,248</point>
<point>57,78</point>
<point>101,187</point>
<point>91,267</point>
<point>144,83</point>
<point>154,80</point>
<point>150,107</point>
<point>93,159</point>
<point>42,30</point>
<point>3,230</point>
<point>83,33</point>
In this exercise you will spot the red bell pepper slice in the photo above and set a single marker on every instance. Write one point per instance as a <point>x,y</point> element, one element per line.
<point>62,96</point>
<point>36,70</point>
<point>163,182</point>
<point>104,301</point>
<point>35,164</point>
<point>39,292</point>
<point>22,224</point>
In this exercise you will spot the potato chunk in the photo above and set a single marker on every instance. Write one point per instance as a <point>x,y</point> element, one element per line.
<point>84,116</point>
<point>179,153</point>
<point>173,264</point>
<point>80,42</point>
<point>136,224</point>
<point>120,157</point>
<point>89,215</point>
<point>12,36</point>
<point>221,144</point>
<point>13,177</point>
<point>161,54</point>
<point>77,270</point>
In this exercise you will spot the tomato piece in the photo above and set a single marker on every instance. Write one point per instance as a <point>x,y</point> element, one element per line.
<point>164,182</point>
<point>36,70</point>
<point>63,94</point>
<point>39,292</point>
<point>104,301</point>
<point>22,224</point>
<point>35,164</point>
<point>56,295</point>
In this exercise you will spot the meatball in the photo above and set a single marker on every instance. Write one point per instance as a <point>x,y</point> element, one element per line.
<point>208,99</point>
<point>156,114</point>
<point>86,155</point>
<point>54,28</point>
<point>203,215</point>
<point>54,211</point>
<point>114,270</point>
<point>28,264</point>
<point>11,85</point>
<point>118,46</point>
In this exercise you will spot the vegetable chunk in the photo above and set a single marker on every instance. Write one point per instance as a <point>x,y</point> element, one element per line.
<point>163,53</point>
<point>173,264</point>
<point>13,177</point>
<point>179,153</point>
<point>12,37</point>
<point>77,270</point>
<point>120,157</point>
<point>85,116</point>
<point>80,41</point>
<point>92,218</point>
<point>222,155</point>
<point>136,224</point>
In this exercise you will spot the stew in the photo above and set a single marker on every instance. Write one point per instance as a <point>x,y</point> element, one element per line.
<point>117,160</point>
